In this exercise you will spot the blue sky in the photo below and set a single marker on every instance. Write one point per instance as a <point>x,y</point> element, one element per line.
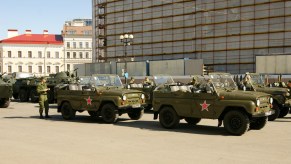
<point>39,15</point>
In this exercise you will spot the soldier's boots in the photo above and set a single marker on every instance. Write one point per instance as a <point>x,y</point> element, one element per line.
<point>41,117</point>
<point>47,116</point>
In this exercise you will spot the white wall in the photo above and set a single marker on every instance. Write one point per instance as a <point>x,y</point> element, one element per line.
<point>14,61</point>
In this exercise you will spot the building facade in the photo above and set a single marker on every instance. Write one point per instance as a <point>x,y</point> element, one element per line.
<point>226,34</point>
<point>40,54</point>
<point>77,36</point>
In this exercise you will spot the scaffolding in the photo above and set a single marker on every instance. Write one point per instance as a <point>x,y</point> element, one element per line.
<point>226,34</point>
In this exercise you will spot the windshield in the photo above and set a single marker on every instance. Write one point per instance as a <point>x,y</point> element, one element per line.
<point>223,81</point>
<point>163,79</point>
<point>107,80</point>
<point>218,81</point>
<point>257,79</point>
<point>84,80</point>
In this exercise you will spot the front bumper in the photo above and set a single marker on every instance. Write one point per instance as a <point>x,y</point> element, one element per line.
<point>133,106</point>
<point>264,114</point>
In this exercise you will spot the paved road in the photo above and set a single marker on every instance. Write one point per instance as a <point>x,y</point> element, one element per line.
<point>24,138</point>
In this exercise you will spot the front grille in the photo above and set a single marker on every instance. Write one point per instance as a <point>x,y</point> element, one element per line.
<point>133,101</point>
<point>132,95</point>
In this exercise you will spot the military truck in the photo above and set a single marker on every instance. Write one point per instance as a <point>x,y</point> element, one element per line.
<point>104,95</point>
<point>214,97</point>
<point>281,96</point>
<point>148,89</point>
<point>6,92</point>
<point>25,88</point>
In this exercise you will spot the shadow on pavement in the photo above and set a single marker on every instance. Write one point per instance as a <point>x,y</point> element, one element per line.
<point>181,128</point>
<point>140,124</point>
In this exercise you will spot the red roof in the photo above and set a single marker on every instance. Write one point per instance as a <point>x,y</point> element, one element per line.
<point>34,39</point>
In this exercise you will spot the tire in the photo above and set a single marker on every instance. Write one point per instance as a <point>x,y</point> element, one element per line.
<point>50,96</point>
<point>277,112</point>
<point>236,122</point>
<point>23,96</point>
<point>93,113</point>
<point>192,121</point>
<point>284,111</point>
<point>4,103</point>
<point>109,113</point>
<point>33,96</point>
<point>169,118</point>
<point>135,114</point>
<point>68,113</point>
<point>15,95</point>
<point>259,123</point>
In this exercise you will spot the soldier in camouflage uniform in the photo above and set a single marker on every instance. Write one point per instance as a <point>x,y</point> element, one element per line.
<point>43,101</point>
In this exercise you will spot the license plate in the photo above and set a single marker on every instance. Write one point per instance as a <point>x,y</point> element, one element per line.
<point>136,106</point>
<point>269,113</point>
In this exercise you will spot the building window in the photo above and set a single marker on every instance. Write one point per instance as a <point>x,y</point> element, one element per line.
<point>81,55</point>
<point>74,55</point>
<point>0,56</point>
<point>74,45</point>
<point>87,55</point>
<point>57,69</point>
<point>29,54</point>
<point>48,69</point>
<point>68,55</point>
<point>30,69</point>
<point>39,69</point>
<point>48,54</point>
<point>19,54</point>
<point>9,69</point>
<point>81,44</point>
<point>9,54</point>
<point>87,32</point>
<point>0,69</point>
<point>57,55</point>
<point>39,54</point>
<point>19,68</point>
<point>71,32</point>
<point>87,44</point>
<point>68,67</point>
<point>68,45</point>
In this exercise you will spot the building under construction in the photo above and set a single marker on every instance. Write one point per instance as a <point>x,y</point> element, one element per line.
<point>226,34</point>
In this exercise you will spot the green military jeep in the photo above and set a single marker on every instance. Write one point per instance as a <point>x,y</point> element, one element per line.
<point>101,95</point>
<point>214,97</point>
<point>281,104</point>
<point>148,89</point>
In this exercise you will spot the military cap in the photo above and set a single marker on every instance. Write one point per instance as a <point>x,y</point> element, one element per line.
<point>43,78</point>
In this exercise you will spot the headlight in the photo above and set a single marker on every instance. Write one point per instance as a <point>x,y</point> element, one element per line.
<point>287,94</point>
<point>123,97</point>
<point>271,100</point>
<point>142,96</point>
<point>258,103</point>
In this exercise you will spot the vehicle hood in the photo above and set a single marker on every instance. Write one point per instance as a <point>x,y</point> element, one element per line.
<point>273,91</point>
<point>242,95</point>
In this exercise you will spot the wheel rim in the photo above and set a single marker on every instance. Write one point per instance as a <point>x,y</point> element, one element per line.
<point>168,118</point>
<point>108,114</point>
<point>235,123</point>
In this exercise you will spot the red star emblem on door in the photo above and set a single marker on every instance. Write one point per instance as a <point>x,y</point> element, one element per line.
<point>89,101</point>
<point>204,106</point>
